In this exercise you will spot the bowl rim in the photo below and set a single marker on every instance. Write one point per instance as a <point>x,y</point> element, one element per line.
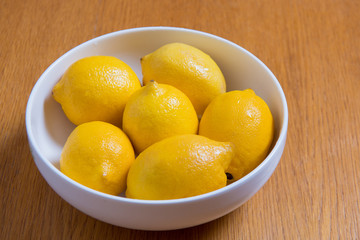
<point>281,137</point>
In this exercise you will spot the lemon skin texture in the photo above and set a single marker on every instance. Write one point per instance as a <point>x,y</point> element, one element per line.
<point>98,155</point>
<point>178,167</point>
<point>157,111</point>
<point>96,88</point>
<point>187,68</point>
<point>243,118</point>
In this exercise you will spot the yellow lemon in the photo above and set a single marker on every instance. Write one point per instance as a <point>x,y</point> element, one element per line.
<point>98,155</point>
<point>187,68</point>
<point>158,111</point>
<point>178,167</point>
<point>243,118</point>
<point>96,89</point>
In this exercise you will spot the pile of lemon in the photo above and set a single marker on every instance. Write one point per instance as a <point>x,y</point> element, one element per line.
<point>179,135</point>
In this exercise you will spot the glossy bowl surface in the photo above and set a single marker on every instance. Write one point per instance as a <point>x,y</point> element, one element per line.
<point>48,128</point>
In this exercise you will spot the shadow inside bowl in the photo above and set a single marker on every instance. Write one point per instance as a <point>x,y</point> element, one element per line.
<point>56,123</point>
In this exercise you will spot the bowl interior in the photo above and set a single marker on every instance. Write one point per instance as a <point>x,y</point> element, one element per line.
<point>48,127</point>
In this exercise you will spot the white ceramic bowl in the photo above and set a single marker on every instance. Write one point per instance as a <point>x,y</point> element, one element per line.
<point>47,129</point>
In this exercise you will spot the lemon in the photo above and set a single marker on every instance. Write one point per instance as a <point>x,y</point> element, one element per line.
<point>96,89</point>
<point>243,118</point>
<point>178,167</point>
<point>158,111</point>
<point>187,68</point>
<point>98,155</point>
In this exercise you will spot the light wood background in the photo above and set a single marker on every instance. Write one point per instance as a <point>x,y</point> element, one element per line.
<point>312,46</point>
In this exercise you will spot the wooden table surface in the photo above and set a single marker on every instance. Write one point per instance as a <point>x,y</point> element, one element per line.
<point>312,47</point>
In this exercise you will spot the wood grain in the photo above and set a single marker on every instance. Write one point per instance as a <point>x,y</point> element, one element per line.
<point>312,47</point>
